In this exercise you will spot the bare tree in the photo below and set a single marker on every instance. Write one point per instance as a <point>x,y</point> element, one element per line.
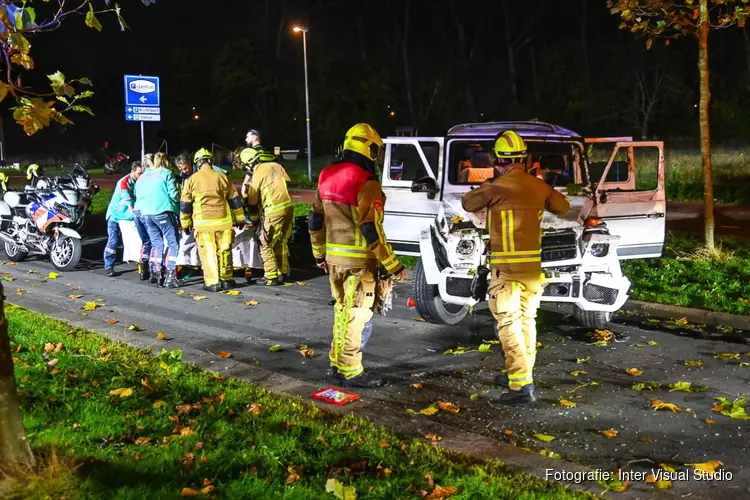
<point>517,36</point>
<point>465,55</point>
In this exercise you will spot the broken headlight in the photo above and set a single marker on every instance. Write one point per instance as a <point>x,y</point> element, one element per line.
<point>465,249</point>
<point>599,249</point>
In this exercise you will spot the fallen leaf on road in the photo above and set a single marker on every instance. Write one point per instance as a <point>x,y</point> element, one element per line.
<point>600,343</point>
<point>686,387</point>
<point>707,467</point>
<point>74,297</point>
<point>430,410</point>
<point>225,354</point>
<point>340,491</point>
<point>7,278</point>
<point>189,492</point>
<point>726,356</point>
<point>231,292</point>
<point>432,437</point>
<point>610,433</point>
<point>288,284</point>
<point>161,336</point>
<point>485,348</point>
<point>646,386</point>
<point>693,363</point>
<point>200,297</point>
<point>113,321</point>
<point>99,300</point>
<point>550,454</point>
<point>658,404</point>
<point>275,348</point>
<point>251,303</point>
<point>135,328</point>
<point>576,373</point>
<point>567,403</point>
<point>508,432</point>
<point>652,342</point>
<point>52,276</point>
<point>449,407</point>
<point>302,283</point>
<point>458,351</point>
<point>417,385</point>
<point>9,263</point>
<point>602,335</point>
<point>544,437</point>
<point>254,408</point>
<point>90,306</point>
<point>743,363</point>
<point>733,409</point>
<point>710,421</point>
<point>681,322</point>
<point>474,397</point>
<point>30,271</point>
<point>421,320</point>
<point>581,361</point>
<point>308,353</point>
<point>123,393</point>
<point>634,372</point>
<point>20,291</point>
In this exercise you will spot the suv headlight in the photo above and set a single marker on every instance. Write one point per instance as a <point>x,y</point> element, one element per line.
<point>465,249</point>
<point>599,249</point>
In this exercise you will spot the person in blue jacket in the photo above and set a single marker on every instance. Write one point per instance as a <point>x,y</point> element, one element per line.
<point>120,209</point>
<point>157,200</point>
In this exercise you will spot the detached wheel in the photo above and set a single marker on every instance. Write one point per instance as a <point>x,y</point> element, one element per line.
<point>593,319</point>
<point>429,305</point>
<point>65,253</point>
<point>14,254</point>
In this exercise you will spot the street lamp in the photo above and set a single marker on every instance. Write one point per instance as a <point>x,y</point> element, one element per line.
<point>300,29</point>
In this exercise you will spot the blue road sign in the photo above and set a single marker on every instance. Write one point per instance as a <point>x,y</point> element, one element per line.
<point>142,98</point>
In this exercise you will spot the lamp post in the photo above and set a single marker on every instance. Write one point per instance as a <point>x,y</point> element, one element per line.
<point>300,29</point>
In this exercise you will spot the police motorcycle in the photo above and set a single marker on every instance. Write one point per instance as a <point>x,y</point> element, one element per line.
<point>32,224</point>
<point>73,191</point>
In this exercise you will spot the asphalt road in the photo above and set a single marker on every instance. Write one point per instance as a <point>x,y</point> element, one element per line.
<point>411,352</point>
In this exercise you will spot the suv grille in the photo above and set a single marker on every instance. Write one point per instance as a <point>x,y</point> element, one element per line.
<point>458,287</point>
<point>559,246</point>
<point>557,290</point>
<point>599,294</point>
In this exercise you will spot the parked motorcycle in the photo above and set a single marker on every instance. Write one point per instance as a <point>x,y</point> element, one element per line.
<point>117,164</point>
<point>73,192</point>
<point>29,227</point>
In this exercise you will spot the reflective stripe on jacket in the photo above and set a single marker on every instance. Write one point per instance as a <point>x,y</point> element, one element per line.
<point>267,190</point>
<point>516,203</point>
<point>156,192</point>
<point>346,221</point>
<point>121,205</point>
<point>210,202</point>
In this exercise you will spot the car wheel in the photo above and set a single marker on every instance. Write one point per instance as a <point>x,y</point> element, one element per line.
<point>593,319</point>
<point>428,303</point>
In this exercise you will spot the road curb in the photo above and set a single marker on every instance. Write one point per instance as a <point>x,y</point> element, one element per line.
<point>696,316</point>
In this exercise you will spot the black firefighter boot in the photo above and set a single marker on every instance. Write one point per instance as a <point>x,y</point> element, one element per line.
<point>367,380</point>
<point>523,396</point>
<point>170,279</point>
<point>143,271</point>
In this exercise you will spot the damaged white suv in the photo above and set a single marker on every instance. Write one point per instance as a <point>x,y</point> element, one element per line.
<point>613,215</point>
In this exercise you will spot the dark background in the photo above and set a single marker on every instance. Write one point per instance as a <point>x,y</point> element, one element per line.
<point>432,64</point>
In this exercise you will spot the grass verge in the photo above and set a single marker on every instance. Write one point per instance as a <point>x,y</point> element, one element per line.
<point>110,421</point>
<point>686,277</point>
<point>100,201</point>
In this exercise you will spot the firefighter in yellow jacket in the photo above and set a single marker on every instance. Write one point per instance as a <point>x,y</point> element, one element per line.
<point>266,195</point>
<point>348,242</point>
<point>210,205</point>
<point>516,202</point>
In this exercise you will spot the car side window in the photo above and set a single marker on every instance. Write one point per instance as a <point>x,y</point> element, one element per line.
<point>406,163</point>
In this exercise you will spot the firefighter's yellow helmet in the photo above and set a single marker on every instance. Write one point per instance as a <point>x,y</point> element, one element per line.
<point>201,155</point>
<point>3,181</point>
<point>510,145</point>
<point>32,171</point>
<point>365,140</point>
<point>251,156</point>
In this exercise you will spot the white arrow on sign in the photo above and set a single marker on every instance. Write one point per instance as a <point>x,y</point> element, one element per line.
<point>143,98</point>
<point>130,109</point>
<point>130,117</point>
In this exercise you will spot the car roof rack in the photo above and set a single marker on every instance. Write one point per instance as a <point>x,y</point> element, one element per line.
<point>529,128</point>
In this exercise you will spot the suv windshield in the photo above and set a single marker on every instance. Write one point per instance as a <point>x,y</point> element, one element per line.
<point>472,162</point>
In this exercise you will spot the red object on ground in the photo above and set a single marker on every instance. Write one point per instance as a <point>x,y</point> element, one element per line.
<point>411,303</point>
<point>339,397</point>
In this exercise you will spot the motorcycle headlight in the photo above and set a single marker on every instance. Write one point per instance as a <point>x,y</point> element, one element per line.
<point>599,249</point>
<point>465,249</point>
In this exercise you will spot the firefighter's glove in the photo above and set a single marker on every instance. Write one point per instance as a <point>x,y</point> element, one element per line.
<point>384,295</point>
<point>480,284</point>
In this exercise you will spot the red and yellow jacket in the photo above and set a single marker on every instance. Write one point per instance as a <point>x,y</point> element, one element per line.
<point>346,221</point>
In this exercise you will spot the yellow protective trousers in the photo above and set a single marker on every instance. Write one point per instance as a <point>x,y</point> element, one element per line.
<point>354,291</point>
<point>514,305</point>
<point>215,251</point>
<point>274,242</point>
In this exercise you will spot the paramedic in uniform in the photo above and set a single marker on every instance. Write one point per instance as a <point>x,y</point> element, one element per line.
<point>516,202</point>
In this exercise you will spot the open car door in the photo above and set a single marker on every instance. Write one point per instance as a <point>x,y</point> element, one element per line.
<point>632,201</point>
<point>412,169</point>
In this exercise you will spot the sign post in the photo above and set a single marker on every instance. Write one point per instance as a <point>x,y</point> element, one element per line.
<point>142,102</point>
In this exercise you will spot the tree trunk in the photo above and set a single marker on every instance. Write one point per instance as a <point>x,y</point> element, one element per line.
<point>14,448</point>
<point>511,58</point>
<point>407,68</point>
<point>705,99</point>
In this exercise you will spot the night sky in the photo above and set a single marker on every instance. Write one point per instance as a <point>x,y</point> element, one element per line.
<point>240,65</point>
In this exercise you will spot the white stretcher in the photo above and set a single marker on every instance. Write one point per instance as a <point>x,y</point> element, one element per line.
<point>245,250</point>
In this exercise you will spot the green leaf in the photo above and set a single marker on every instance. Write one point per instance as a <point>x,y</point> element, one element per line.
<point>652,343</point>
<point>84,81</point>
<point>340,491</point>
<point>91,20</point>
<point>4,88</point>
<point>32,15</point>
<point>485,348</point>
<point>474,397</point>
<point>82,109</point>
<point>275,348</point>
<point>686,387</point>
<point>544,437</point>
<point>581,361</point>
<point>646,386</point>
